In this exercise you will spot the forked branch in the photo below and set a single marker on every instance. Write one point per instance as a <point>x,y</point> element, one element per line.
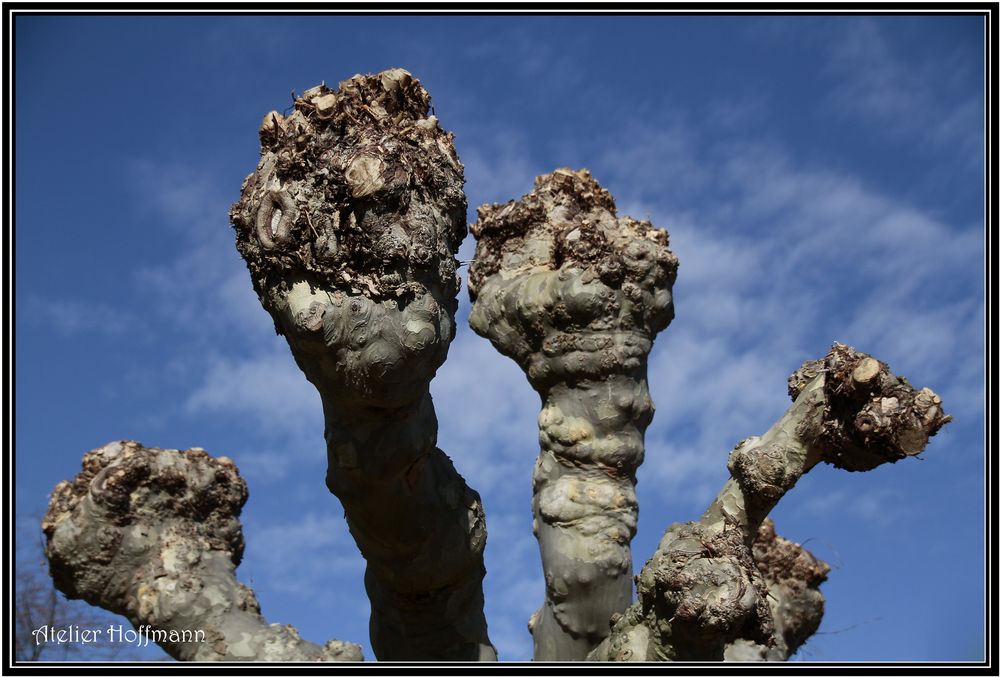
<point>701,590</point>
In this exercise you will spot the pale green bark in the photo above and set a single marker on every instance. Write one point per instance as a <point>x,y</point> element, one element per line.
<point>575,295</point>
<point>793,576</point>
<point>701,590</point>
<point>349,228</point>
<point>154,535</point>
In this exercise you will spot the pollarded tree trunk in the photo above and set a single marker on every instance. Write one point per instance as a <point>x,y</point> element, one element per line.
<point>154,535</point>
<point>575,295</point>
<point>349,227</point>
<point>701,591</point>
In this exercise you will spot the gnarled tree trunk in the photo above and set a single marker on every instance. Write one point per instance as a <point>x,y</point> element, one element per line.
<point>793,576</point>
<point>154,535</point>
<point>701,591</point>
<point>575,295</point>
<point>349,227</point>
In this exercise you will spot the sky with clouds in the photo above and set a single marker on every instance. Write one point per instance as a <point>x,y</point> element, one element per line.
<point>821,179</point>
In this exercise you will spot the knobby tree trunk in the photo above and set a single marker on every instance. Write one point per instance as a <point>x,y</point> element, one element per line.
<point>575,295</point>
<point>349,227</point>
<point>154,535</point>
<point>793,576</point>
<point>701,591</point>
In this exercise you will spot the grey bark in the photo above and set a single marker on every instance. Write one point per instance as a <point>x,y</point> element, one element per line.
<point>39,610</point>
<point>575,295</point>
<point>349,227</point>
<point>793,576</point>
<point>154,535</point>
<point>701,590</point>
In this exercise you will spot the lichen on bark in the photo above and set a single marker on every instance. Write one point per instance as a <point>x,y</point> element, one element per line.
<point>349,227</point>
<point>575,295</point>
<point>849,410</point>
<point>154,535</point>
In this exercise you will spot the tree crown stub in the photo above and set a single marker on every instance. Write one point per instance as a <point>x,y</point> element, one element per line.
<point>349,227</point>
<point>566,287</point>
<point>358,189</point>
<point>871,416</point>
<point>569,221</point>
<point>134,495</point>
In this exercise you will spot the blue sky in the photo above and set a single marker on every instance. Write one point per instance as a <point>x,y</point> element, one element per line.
<point>821,179</point>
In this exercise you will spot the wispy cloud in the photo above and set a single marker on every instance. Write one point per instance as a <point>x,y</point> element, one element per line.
<point>498,165</point>
<point>514,586</point>
<point>777,260</point>
<point>517,44</point>
<point>305,556</point>
<point>878,507</point>
<point>487,415</point>
<point>206,286</point>
<point>71,317</point>
<point>267,389</point>
<point>226,360</point>
<point>914,95</point>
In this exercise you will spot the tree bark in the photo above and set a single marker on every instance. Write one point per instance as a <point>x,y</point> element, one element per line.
<point>575,295</point>
<point>701,590</point>
<point>349,228</point>
<point>793,576</point>
<point>154,535</point>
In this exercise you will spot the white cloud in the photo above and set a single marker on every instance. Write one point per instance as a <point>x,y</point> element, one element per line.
<point>514,586</point>
<point>208,288</point>
<point>487,415</point>
<point>868,502</point>
<point>268,387</point>
<point>498,165</point>
<point>305,557</point>
<point>733,112</point>
<point>648,162</point>
<point>915,95</point>
<point>71,317</point>
<point>517,44</point>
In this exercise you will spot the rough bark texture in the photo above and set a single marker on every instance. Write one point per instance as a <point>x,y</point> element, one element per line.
<point>154,535</point>
<point>701,590</point>
<point>793,576</point>
<point>575,295</point>
<point>349,227</point>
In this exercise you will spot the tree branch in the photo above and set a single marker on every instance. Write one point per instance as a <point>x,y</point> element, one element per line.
<point>349,228</point>
<point>701,590</point>
<point>154,535</point>
<point>793,576</point>
<point>575,295</point>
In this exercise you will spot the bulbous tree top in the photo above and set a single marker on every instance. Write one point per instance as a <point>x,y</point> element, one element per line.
<point>570,221</point>
<point>358,189</point>
<point>564,286</point>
